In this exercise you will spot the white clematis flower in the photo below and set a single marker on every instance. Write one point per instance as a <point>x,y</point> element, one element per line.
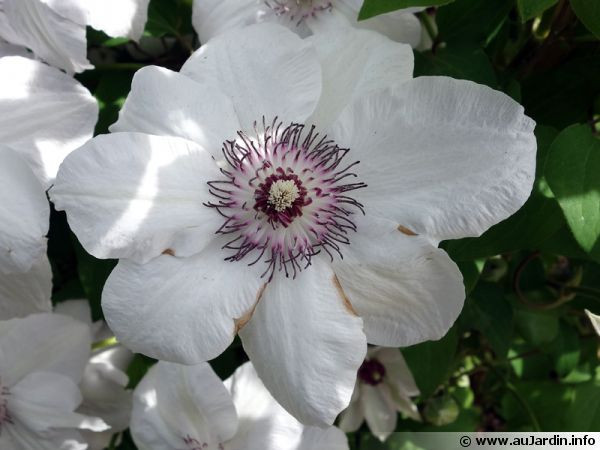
<point>384,386</point>
<point>55,29</point>
<point>44,115</point>
<point>190,408</point>
<point>104,378</point>
<point>192,191</point>
<point>304,17</point>
<point>42,360</point>
<point>24,215</point>
<point>24,293</point>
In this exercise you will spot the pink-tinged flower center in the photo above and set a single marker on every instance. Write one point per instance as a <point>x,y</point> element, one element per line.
<point>4,414</point>
<point>371,372</point>
<point>284,197</point>
<point>299,10</point>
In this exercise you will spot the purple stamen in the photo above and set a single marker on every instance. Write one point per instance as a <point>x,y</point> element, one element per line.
<point>283,197</point>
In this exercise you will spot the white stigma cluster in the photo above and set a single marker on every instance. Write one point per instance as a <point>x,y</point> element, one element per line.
<point>283,194</point>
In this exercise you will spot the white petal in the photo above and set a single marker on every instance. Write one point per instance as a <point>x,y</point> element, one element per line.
<point>7,49</point>
<point>125,18</point>
<point>399,381</point>
<point>20,438</point>
<point>595,321</point>
<point>180,309</point>
<point>406,290</point>
<point>397,372</point>
<point>44,113</point>
<point>306,344</point>
<point>99,440</point>
<point>379,413</point>
<point>26,293</point>
<point>355,63</point>
<point>104,394</point>
<point>132,195</point>
<point>317,438</point>
<point>265,69</point>
<point>77,309</point>
<point>6,31</point>
<point>174,402</point>
<point>265,425</point>
<point>213,17</point>
<point>163,102</point>
<point>442,157</point>
<point>43,342</point>
<point>52,37</point>
<point>115,356</point>
<point>405,405</point>
<point>24,214</point>
<point>45,400</point>
<point>398,26</point>
<point>352,417</point>
<point>324,22</point>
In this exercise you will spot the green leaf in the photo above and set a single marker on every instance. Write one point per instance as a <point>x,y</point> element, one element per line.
<point>584,412</point>
<point>169,17</point>
<point>528,9</point>
<point>470,274</point>
<point>372,8</point>
<point>471,21</point>
<point>537,327</point>
<point>533,366</point>
<point>431,362</point>
<point>565,350</point>
<point>459,61</point>
<point>588,11</point>
<point>564,94</point>
<point>558,407</point>
<point>571,171</point>
<point>544,400</point>
<point>491,314</point>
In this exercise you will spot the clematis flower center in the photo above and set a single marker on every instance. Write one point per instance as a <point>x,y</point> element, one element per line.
<point>299,10</point>
<point>4,414</point>
<point>371,372</point>
<point>194,444</point>
<point>282,194</point>
<point>284,197</point>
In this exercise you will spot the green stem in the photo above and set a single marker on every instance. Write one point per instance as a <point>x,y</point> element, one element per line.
<point>113,441</point>
<point>517,395</point>
<point>427,22</point>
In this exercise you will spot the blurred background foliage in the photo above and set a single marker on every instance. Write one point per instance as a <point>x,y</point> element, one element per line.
<point>523,355</point>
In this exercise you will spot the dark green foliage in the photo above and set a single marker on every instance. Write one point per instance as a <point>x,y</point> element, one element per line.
<point>372,8</point>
